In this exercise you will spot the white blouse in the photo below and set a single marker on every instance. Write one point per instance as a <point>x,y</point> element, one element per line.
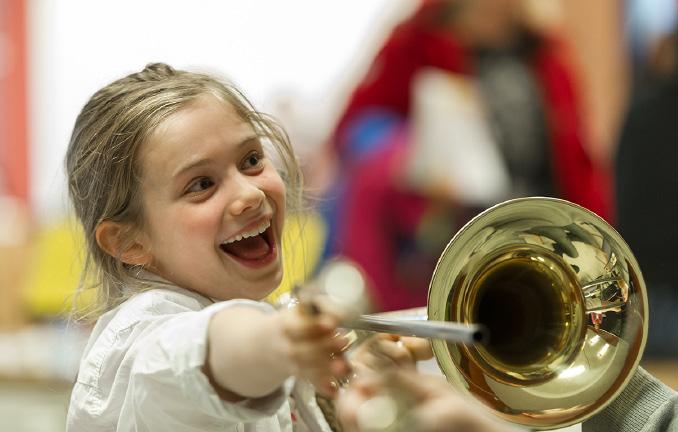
<point>142,371</point>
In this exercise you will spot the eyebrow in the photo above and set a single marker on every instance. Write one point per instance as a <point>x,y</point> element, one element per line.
<point>196,163</point>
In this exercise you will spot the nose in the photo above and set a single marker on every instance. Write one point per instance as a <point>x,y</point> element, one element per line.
<point>247,196</point>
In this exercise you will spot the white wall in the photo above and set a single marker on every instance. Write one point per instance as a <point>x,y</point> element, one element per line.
<point>310,50</point>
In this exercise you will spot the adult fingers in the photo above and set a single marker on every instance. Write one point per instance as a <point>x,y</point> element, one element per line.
<point>417,385</point>
<point>419,347</point>
<point>394,350</point>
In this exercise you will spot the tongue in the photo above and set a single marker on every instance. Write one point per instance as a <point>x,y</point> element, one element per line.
<point>250,248</point>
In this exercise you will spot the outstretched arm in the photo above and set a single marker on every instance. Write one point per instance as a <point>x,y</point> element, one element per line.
<point>251,353</point>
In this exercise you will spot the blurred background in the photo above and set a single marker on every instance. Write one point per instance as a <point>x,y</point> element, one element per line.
<point>567,98</point>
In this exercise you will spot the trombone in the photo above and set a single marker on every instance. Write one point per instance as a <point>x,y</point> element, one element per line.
<point>560,295</point>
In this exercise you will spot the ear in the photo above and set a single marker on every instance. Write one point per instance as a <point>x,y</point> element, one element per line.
<point>116,239</point>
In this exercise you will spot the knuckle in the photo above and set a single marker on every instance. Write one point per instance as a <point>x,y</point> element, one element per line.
<point>403,355</point>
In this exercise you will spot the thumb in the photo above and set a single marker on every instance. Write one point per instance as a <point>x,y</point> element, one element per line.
<point>419,347</point>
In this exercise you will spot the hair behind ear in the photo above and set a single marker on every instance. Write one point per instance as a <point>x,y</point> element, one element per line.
<point>121,241</point>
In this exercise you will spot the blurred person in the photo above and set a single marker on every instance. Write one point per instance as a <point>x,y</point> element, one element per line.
<point>397,231</point>
<point>646,185</point>
<point>645,405</point>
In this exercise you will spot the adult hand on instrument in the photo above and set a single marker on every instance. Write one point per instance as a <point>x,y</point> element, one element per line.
<point>383,351</point>
<point>430,405</point>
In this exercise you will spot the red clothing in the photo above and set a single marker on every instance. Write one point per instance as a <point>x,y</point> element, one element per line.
<point>412,47</point>
<point>375,217</point>
<point>376,211</point>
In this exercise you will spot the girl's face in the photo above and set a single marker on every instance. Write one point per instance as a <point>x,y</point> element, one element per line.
<point>213,204</point>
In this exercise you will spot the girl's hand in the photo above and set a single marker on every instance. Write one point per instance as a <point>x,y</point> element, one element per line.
<point>313,348</point>
<point>384,351</point>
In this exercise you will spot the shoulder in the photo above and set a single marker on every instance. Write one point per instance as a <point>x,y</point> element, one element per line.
<point>117,329</point>
<point>158,301</point>
<point>154,343</point>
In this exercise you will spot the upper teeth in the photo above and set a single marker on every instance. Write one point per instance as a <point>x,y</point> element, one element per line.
<point>256,231</point>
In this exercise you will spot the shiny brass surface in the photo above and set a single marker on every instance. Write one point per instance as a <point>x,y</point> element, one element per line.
<point>565,304</point>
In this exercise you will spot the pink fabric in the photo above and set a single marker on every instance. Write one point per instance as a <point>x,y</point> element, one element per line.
<point>375,211</point>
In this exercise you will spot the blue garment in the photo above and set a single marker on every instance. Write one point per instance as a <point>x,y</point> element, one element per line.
<point>365,136</point>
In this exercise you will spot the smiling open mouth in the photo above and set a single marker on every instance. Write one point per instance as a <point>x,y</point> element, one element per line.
<point>255,246</point>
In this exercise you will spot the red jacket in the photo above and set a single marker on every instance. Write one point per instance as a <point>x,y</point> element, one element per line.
<point>415,44</point>
<point>375,215</point>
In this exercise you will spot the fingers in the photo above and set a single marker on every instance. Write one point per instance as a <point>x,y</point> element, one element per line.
<point>315,350</point>
<point>420,348</point>
<point>316,353</point>
<point>450,412</point>
<point>429,402</point>
<point>419,386</point>
<point>361,404</point>
<point>312,338</point>
<point>393,349</point>
<point>385,351</point>
<point>351,400</point>
<point>347,406</point>
<point>445,414</point>
<point>326,380</point>
<point>299,325</point>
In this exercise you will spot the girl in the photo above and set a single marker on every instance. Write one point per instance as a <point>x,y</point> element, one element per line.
<point>182,208</point>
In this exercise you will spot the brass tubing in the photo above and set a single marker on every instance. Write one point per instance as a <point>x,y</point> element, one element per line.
<point>444,330</point>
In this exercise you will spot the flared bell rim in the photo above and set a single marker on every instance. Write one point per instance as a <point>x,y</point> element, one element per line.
<point>545,211</point>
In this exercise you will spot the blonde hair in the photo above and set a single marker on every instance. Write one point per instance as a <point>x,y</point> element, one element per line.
<point>103,168</point>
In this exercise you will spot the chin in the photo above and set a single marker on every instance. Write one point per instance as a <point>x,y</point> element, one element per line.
<point>262,289</point>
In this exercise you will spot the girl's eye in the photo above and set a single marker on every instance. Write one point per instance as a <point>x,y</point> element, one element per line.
<point>253,161</point>
<point>201,184</point>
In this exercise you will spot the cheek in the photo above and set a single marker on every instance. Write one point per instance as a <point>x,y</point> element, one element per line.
<point>275,188</point>
<point>203,217</point>
<point>186,221</point>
